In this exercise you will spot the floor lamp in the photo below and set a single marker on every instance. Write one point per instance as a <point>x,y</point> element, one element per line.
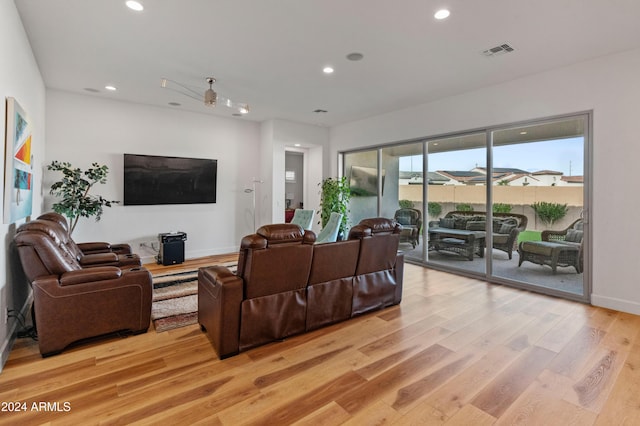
<point>252,191</point>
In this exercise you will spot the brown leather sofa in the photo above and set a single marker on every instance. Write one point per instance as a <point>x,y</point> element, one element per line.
<point>286,285</point>
<point>72,302</point>
<point>92,253</point>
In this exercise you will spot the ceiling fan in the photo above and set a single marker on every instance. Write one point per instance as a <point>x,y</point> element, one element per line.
<point>210,97</point>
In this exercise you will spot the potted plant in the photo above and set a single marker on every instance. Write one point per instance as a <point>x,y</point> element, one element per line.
<point>74,190</point>
<point>334,197</point>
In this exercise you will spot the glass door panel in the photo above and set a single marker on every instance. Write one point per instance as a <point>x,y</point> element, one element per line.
<point>538,187</point>
<point>361,171</point>
<point>402,197</point>
<point>456,202</point>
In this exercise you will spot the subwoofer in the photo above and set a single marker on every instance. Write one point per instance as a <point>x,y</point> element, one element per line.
<point>171,248</point>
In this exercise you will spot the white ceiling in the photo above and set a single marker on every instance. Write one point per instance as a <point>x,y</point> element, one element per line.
<point>270,54</point>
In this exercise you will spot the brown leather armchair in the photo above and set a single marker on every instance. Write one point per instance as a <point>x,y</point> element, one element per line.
<point>73,303</point>
<point>92,253</point>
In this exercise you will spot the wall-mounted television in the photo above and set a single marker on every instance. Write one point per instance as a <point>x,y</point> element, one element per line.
<point>363,181</point>
<point>152,179</point>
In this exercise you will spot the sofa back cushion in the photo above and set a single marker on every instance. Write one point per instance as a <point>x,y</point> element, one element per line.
<point>276,259</point>
<point>333,261</point>
<point>42,249</point>
<point>380,238</point>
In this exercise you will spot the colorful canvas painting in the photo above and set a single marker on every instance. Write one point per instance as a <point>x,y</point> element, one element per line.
<point>18,177</point>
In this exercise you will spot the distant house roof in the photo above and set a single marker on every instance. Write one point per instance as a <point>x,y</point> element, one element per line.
<point>547,172</point>
<point>459,173</point>
<point>504,170</point>
<point>409,175</point>
<point>573,179</point>
<point>436,178</point>
<point>461,176</point>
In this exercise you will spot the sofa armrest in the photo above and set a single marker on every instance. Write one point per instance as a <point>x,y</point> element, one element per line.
<point>70,308</point>
<point>103,247</point>
<point>84,276</point>
<point>550,235</point>
<point>97,259</point>
<point>220,295</point>
<point>94,247</point>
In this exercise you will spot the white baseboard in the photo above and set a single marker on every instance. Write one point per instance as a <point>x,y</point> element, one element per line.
<point>617,304</point>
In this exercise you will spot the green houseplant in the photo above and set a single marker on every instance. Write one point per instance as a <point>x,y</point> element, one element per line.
<point>334,197</point>
<point>74,191</point>
<point>549,213</point>
<point>405,204</point>
<point>434,209</point>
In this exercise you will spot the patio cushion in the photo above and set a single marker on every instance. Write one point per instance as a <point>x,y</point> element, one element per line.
<point>540,247</point>
<point>447,222</point>
<point>573,236</point>
<point>476,225</point>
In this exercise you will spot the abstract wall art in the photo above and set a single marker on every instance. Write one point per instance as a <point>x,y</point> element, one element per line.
<point>18,172</point>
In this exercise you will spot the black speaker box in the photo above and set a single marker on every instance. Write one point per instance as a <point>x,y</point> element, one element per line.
<point>171,253</point>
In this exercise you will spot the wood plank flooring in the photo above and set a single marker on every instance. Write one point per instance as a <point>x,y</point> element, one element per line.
<point>456,351</point>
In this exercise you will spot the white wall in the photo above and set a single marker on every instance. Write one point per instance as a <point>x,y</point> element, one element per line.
<point>85,129</point>
<point>608,86</point>
<point>19,78</point>
<point>276,136</point>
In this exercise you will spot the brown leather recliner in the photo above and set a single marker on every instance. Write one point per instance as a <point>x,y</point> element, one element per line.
<point>266,300</point>
<point>286,285</point>
<point>72,303</point>
<point>93,253</point>
<point>380,269</point>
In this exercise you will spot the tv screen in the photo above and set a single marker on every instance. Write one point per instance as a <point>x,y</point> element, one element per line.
<point>151,179</point>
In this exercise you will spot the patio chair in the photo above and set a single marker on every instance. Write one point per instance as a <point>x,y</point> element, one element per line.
<point>557,248</point>
<point>411,221</point>
<point>304,218</point>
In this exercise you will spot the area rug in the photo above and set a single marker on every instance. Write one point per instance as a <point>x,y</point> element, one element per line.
<point>175,299</point>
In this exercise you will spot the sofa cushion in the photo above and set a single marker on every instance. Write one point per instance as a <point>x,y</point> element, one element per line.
<point>476,225</point>
<point>506,228</point>
<point>573,236</point>
<point>447,222</point>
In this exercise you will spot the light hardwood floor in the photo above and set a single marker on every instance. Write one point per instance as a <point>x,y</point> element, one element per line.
<point>457,351</point>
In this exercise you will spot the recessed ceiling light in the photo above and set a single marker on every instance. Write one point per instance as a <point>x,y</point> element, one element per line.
<point>523,133</point>
<point>355,56</point>
<point>111,88</point>
<point>296,144</point>
<point>134,5</point>
<point>442,14</point>
<point>327,70</point>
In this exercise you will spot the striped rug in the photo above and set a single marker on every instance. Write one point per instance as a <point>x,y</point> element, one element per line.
<point>175,299</point>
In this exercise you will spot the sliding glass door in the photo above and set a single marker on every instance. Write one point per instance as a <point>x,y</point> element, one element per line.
<point>539,174</point>
<point>506,204</point>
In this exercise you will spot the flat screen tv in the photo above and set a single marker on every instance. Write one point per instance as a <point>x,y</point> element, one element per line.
<point>152,179</point>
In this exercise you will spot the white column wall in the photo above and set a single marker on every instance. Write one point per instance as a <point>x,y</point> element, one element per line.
<point>19,78</point>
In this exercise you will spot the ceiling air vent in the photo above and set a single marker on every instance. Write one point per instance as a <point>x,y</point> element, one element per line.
<point>498,50</point>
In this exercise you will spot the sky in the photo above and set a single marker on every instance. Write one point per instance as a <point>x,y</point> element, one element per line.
<point>561,155</point>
